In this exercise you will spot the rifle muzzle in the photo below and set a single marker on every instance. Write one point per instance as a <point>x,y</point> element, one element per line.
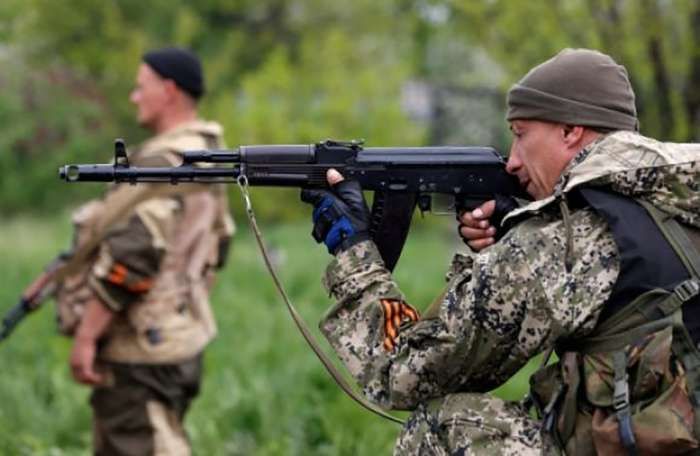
<point>92,173</point>
<point>12,318</point>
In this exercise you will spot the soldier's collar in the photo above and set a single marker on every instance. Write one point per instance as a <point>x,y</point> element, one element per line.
<point>579,158</point>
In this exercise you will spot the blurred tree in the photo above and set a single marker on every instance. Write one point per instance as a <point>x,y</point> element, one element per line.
<point>463,84</point>
<point>277,71</point>
<point>656,40</point>
<point>46,119</point>
<point>304,70</point>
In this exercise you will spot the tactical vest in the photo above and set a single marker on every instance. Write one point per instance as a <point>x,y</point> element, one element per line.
<point>632,386</point>
<point>173,320</point>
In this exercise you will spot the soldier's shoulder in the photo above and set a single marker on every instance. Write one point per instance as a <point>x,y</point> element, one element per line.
<point>165,149</point>
<point>197,134</point>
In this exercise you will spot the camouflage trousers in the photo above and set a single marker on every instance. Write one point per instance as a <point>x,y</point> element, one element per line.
<point>471,423</point>
<point>142,409</point>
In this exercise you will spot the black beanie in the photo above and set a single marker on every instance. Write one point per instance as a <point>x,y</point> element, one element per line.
<point>576,87</point>
<point>180,65</point>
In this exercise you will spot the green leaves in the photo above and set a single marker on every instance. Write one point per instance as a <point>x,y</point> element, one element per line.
<point>304,70</point>
<point>656,41</point>
<point>277,72</point>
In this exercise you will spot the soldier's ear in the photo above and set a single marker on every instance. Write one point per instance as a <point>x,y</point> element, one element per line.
<point>171,88</point>
<point>573,134</point>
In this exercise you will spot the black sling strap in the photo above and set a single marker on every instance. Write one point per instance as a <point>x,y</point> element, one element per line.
<point>647,260</point>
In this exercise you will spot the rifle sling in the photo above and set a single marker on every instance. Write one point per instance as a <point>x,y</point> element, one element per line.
<point>337,376</point>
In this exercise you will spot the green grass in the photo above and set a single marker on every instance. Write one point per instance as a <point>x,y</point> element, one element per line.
<point>264,391</point>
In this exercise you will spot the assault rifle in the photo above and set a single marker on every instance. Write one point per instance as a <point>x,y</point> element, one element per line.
<point>33,296</point>
<point>402,178</point>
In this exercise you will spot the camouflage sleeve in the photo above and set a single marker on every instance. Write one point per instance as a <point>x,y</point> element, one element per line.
<point>500,308</point>
<point>129,257</point>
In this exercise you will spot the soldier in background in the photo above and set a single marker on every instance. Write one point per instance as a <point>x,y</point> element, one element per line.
<point>139,307</point>
<point>603,267</point>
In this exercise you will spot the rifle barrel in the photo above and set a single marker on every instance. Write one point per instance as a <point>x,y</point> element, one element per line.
<point>111,173</point>
<point>13,317</point>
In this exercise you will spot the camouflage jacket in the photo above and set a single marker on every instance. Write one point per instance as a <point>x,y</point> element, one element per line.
<point>546,279</point>
<point>153,265</point>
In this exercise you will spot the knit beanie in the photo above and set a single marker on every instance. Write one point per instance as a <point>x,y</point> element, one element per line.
<point>576,87</point>
<point>180,65</point>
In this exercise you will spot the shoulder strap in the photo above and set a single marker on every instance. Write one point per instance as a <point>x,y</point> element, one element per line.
<point>120,209</point>
<point>657,270</point>
<point>648,261</point>
<point>211,141</point>
<point>674,233</point>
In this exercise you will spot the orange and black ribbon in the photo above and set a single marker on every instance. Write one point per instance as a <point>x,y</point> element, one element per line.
<point>119,275</point>
<point>395,314</point>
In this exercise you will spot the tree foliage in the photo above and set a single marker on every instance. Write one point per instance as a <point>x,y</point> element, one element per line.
<point>276,71</point>
<point>304,70</point>
<point>656,40</point>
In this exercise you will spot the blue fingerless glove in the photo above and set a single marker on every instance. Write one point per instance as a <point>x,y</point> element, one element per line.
<point>340,216</point>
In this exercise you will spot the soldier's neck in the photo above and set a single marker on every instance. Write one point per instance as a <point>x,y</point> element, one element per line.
<point>174,120</point>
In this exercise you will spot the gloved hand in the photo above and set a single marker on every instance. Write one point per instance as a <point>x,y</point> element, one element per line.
<point>340,216</point>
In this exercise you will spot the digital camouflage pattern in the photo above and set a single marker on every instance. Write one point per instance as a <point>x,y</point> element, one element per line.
<point>471,423</point>
<point>547,279</point>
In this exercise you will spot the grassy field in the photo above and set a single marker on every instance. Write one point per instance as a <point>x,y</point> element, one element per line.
<point>264,391</point>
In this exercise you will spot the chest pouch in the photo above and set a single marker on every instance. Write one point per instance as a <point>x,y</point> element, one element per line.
<point>625,388</point>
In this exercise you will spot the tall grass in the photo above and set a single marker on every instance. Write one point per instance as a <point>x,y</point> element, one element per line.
<point>264,392</point>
